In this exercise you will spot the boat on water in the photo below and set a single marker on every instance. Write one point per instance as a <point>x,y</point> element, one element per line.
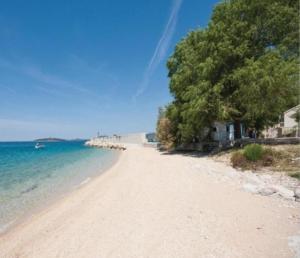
<point>39,146</point>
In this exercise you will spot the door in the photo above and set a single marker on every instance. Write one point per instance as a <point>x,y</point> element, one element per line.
<point>231,132</point>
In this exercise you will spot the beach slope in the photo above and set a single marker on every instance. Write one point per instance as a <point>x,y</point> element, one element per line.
<point>151,204</point>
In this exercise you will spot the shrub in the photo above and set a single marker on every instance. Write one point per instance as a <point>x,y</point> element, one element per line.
<point>267,160</point>
<point>164,133</point>
<point>253,152</point>
<point>238,159</point>
<point>256,156</point>
<point>270,156</point>
<point>295,175</point>
<point>275,153</point>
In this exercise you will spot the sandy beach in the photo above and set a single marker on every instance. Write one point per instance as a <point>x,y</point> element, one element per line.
<point>151,204</point>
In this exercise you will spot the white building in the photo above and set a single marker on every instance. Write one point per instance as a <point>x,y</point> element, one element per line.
<point>223,131</point>
<point>289,127</point>
<point>289,117</point>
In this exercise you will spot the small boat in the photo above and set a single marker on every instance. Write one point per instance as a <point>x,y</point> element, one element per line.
<point>39,146</point>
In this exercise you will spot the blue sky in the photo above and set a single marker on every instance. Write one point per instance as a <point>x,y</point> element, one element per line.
<point>72,68</point>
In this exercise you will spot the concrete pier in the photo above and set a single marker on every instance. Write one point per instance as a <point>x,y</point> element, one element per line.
<point>121,142</point>
<point>99,143</point>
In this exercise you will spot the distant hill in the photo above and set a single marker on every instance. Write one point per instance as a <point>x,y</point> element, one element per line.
<point>50,139</point>
<point>77,140</point>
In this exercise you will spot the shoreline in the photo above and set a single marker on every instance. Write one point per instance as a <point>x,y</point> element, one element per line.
<point>41,208</point>
<point>151,204</point>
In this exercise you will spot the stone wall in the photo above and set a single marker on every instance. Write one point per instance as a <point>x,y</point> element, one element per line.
<point>271,141</point>
<point>216,146</point>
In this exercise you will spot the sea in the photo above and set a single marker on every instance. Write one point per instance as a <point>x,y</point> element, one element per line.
<point>32,178</point>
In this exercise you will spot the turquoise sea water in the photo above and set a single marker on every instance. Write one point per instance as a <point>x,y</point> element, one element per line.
<point>31,178</point>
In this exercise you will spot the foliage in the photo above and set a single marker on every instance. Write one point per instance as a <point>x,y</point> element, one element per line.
<point>238,159</point>
<point>164,130</point>
<point>296,116</point>
<point>295,175</point>
<point>243,67</point>
<point>253,152</point>
<point>254,156</point>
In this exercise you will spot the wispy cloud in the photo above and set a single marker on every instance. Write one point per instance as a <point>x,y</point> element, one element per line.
<point>8,89</point>
<point>15,129</point>
<point>14,123</point>
<point>161,48</point>
<point>38,75</point>
<point>90,84</point>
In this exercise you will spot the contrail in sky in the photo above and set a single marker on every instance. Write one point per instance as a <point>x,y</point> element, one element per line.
<point>161,48</point>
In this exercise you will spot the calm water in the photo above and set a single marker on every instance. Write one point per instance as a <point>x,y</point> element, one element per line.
<point>29,177</point>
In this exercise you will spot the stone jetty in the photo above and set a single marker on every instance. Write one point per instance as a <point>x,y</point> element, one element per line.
<point>119,142</point>
<point>104,143</point>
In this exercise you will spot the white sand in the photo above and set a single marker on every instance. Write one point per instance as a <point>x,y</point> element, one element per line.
<point>154,205</point>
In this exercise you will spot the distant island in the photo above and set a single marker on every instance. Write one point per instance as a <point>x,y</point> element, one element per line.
<point>77,140</point>
<point>50,139</point>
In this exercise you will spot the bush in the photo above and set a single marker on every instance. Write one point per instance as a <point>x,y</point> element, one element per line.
<point>270,156</point>
<point>255,156</point>
<point>295,175</point>
<point>238,159</point>
<point>253,152</point>
<point>274,153</point>
<point>164,133</point>
<point>267,160</point>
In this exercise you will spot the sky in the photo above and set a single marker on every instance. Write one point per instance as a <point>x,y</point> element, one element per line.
<point>71,69</point>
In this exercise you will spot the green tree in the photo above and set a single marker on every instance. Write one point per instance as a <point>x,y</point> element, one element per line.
<point>243,67</point>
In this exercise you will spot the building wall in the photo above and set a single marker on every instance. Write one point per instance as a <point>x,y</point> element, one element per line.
<point>220,133</point>
<point>225,131</point>
<point>151,137</point>
<point>288,120</point>
<point>272,132</point>
<point>133,138</point>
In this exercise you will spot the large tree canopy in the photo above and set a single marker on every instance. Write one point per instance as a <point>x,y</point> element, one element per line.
<point>243,67</point>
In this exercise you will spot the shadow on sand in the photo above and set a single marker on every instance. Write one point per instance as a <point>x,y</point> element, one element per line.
<point>195,154</point>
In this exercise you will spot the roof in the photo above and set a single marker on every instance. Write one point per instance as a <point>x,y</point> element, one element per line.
<point>293,108</point>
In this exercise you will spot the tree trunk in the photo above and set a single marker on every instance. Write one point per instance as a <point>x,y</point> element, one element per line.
<point>237,129</point>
